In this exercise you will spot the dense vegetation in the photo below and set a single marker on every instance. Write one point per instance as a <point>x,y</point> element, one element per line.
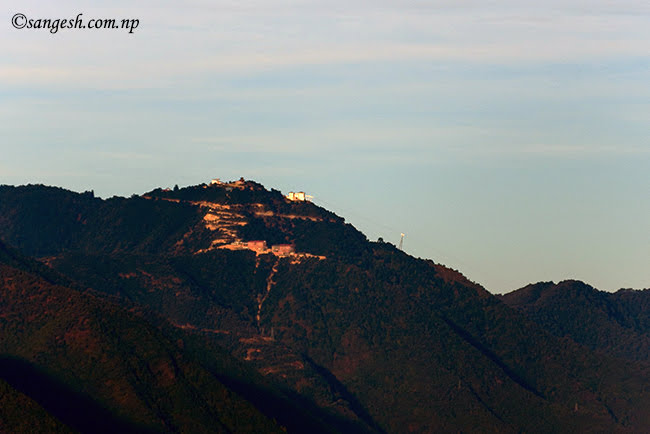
<point>94,366</point>
<point>368,339</point>
<point>615,323</point>
<point>44,221</point>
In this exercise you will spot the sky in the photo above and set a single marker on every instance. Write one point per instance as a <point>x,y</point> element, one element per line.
<point>507,139</point>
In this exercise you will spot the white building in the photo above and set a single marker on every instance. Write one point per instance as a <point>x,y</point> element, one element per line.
<point>297,196</point>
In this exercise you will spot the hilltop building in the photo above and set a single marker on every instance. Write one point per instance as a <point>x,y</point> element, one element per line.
<point>257,246</point>
<point>297,196</point>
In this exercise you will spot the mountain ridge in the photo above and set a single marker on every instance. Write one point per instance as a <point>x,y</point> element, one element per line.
<point>616,323</point>
<point>369,334</point>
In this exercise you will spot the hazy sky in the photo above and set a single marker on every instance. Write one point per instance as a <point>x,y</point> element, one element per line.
<point>507,139</point>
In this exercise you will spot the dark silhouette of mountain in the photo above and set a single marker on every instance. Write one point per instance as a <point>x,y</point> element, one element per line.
<point>352,335</point>
<point>614,323</point>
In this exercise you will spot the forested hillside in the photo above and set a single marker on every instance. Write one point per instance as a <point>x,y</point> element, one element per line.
<point>352,335</point>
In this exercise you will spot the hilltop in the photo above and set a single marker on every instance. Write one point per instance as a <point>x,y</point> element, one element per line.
<point>617,323</point>
<point>356,334</point>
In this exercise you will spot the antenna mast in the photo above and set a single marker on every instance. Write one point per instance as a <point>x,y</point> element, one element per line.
<point>401,242</point>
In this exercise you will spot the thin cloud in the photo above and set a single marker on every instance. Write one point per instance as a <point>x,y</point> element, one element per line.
<point>217,40</point>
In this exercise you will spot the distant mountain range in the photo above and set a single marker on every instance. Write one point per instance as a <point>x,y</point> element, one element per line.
<point>172,311</point>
